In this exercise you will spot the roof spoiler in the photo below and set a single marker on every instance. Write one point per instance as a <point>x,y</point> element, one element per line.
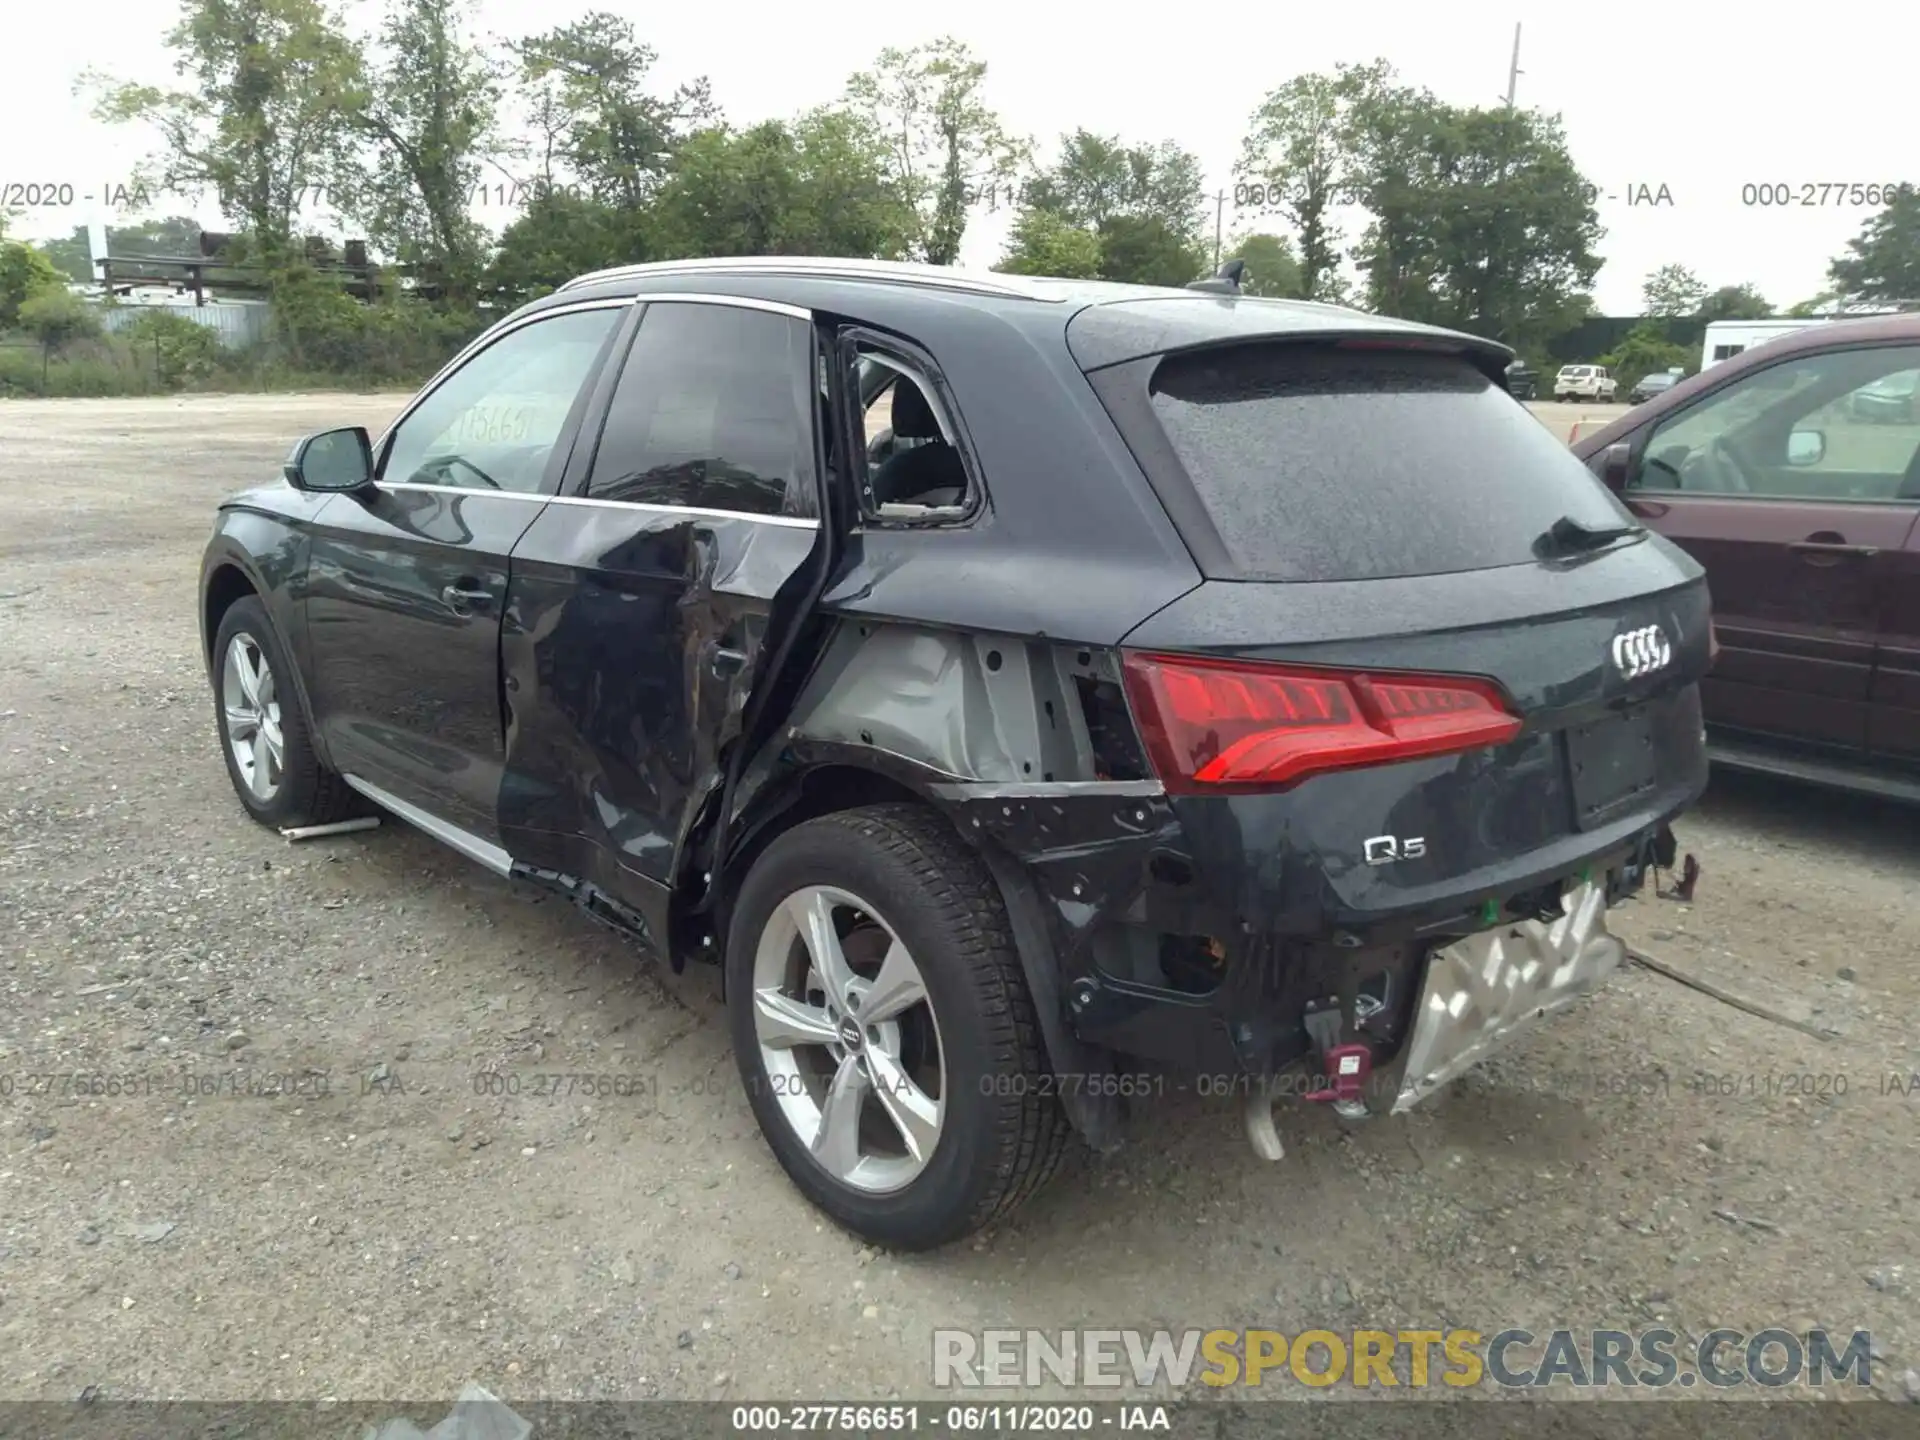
<point>1225,281</point>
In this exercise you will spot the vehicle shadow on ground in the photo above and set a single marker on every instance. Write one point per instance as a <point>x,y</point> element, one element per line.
<point>1794,813</point>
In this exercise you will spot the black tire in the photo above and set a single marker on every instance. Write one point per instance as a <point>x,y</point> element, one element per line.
<point>308,793</point>
<point>1002,1131</point>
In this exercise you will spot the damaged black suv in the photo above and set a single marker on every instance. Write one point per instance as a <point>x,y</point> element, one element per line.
<point>1017,686</point>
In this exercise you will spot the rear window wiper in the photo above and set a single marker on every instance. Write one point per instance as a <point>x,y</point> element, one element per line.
<point>1568,536</point>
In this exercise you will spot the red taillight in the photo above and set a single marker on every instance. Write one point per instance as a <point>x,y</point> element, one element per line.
<point>1213,725</point>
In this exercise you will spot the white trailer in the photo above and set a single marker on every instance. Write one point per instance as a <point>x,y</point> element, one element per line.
<point>1727,338</point>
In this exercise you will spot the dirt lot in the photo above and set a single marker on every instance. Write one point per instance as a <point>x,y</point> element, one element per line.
<point>401,1234</point>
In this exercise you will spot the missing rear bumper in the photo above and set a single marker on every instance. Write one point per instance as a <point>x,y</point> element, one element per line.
<point>1481,989</point>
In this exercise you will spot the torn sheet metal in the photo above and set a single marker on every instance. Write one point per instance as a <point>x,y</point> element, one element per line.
<point>978,707</point>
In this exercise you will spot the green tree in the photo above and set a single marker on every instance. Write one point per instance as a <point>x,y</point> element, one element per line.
<point>945,145</point>
<point>1645,351</point>
<point>1882,263</point>
<point>1046,243</point>
<point>1147,250</point>
<point>265,117</point>
<point>1521,241</point>
<point>816,186</point>
<point>1140,203</point>
<point>609,133</point>
<point>429,115</point>
<point>181,351</point>
<point>1477,218</point>
<point>1672,291</point>
<point>1735,302</point>
<point>24,274</point>
<point>561,235</point>
<point>56,317</point>
<point>1272,268</point>
<point>1099,177</point>
<point>1295,156</point>
<point>1390,136</point>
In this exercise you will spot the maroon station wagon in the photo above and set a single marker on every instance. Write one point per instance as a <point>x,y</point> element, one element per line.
<point>1787,476</point>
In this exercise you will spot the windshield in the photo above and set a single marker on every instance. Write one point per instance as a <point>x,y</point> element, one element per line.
<point>1326,464</point>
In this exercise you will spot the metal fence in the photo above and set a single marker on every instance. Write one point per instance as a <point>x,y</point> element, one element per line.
<point>236,325</point>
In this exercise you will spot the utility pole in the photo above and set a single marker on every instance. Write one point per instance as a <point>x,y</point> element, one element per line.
<point>1506,144</point>
<point>1219,214</point>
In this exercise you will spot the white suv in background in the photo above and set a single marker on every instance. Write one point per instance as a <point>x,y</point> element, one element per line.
<point>1583,382</point>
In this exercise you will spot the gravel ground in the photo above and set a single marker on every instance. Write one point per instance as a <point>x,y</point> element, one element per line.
<point>390,1233</point>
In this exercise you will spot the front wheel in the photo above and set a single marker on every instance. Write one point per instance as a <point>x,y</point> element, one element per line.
<point>264,733</point>
<point>884,1030</point>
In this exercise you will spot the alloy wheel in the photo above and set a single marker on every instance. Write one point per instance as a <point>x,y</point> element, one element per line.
<point>250,698</point>
<point>849,1042</point>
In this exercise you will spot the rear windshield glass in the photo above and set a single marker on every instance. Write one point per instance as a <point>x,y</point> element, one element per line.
<point>1317,463</point>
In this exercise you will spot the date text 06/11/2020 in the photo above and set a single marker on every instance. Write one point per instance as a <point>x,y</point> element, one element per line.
<point>912,1416</point>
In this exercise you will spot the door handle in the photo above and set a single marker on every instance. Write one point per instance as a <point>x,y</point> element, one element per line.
<point>462,599</point>
<point>1830,547</point>
<point>728,661</point>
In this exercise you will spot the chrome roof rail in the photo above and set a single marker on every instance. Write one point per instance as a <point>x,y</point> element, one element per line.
<point>945,277</point>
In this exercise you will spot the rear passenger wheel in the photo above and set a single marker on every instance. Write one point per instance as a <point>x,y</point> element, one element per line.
<point>263,729</point>
<point>884,1031</point>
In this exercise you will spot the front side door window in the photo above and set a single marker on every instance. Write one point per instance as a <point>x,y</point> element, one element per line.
<point>1793,486</point>
<point>492,424</point>
<point>1827,427</point>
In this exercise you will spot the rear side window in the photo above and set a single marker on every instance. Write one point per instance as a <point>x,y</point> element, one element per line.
<point>713,411</point>
<point>1317,463</point>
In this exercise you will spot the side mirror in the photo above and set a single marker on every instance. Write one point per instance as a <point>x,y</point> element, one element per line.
<point>1806,447</point>
<point>1611,466</point>
<point>331,460</point>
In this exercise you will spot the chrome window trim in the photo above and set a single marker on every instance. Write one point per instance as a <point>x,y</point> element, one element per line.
<point>794,522</point>
<point>739,302</point>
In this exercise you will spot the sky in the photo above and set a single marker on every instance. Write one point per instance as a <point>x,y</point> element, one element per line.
<point>1699,100</point>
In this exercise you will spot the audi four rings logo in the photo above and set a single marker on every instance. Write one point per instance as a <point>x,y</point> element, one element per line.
<point>1641,652</point>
